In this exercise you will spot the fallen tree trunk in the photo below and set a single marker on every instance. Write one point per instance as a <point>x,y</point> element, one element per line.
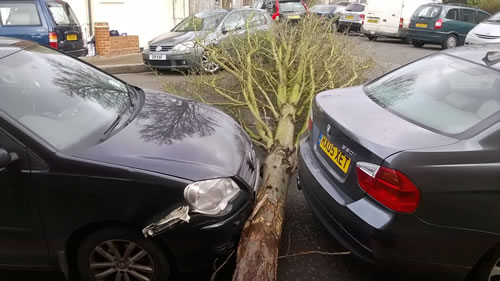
<point>260,240</point>
<point>259,244</point>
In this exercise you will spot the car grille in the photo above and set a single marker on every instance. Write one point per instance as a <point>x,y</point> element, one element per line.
<point>248,172</point>
<point>163,48</point>
<point>487,36</point>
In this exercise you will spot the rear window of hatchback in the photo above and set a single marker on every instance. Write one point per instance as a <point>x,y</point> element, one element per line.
<point>428,11</point>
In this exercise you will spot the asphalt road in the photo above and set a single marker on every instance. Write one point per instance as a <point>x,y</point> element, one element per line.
<point>302,232</point>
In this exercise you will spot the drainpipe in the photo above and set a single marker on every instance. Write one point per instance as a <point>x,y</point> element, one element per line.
<point>91,21</point>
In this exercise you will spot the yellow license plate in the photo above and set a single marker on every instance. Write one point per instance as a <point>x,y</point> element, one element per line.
<point>349,17</point>
<point>71,37</point>
<point>293,17</point>
<point>372,21</point>
<point>339,158</point>
<point>421,25</point>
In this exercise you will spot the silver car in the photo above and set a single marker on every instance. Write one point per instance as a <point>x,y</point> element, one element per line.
<point>487,31</point>
<point>352,18</point>
<point>183,47</point>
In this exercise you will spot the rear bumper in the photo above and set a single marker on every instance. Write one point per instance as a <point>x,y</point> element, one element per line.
<point>402,33</point>
<point>372,232</point>
<point>77,53</point>
<point>353,26</point>
<point>427,36</point>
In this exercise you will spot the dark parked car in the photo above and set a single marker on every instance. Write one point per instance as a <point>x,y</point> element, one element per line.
<point>404,171</point>
<point>330,12</point>
<point>109,180</point>
<point>48,22</point>
<point>183,47</point>
<point>443,24</point>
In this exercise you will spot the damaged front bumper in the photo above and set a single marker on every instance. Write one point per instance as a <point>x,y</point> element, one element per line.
<point>179,215</point>
<point>195,240</point>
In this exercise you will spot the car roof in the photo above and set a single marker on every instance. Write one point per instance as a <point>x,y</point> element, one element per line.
<point>453,5</point>
<point>8,46</point>
<point>487,54</point>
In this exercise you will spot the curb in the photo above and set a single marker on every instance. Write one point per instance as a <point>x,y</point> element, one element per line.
<point>124,68</point>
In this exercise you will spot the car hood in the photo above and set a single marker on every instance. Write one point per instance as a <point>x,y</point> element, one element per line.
<point>174,38</point>
<point>176,137</point>
<point>488,29</point>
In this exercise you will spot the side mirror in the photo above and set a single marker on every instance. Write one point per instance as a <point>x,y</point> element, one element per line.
<point>6,158</point>
<point>224,31</point>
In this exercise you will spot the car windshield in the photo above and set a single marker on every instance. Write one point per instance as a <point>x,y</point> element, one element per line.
<point>355,8</point>
<point>61,100</point>
<point>323,9</point>
<point>62,13</point>
<point>290,7</point>
<point>427,11</point>
<point>200,22</point>
<point>494,18</point>
<point>441,93</point>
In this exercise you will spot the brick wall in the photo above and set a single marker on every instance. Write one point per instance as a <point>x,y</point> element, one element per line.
<point>113,45</point>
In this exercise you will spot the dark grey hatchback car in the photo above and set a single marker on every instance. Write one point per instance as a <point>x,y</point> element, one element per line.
<point>405,170</point>
<point>109,181</point>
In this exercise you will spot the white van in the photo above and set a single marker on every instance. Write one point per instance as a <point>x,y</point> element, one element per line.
<point>390,18</point>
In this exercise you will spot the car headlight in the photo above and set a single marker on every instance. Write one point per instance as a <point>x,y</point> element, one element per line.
<point>211,197</point>
<point>185,47</point>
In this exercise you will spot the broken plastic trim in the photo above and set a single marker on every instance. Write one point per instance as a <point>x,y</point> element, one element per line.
<point>178,215</point>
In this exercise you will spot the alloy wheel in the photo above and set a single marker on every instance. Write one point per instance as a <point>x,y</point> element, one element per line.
<point>495,272</point>
<point>121,260</point>
<point>451,42</point>
<point>208,65</point>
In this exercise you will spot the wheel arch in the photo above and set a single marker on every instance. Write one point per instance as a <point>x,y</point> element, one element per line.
<point>76,238</point>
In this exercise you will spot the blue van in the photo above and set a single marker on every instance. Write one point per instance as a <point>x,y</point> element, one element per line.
<point>48,22</point>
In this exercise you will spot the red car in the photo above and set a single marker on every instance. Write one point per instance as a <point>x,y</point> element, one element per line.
<point>283,9</point>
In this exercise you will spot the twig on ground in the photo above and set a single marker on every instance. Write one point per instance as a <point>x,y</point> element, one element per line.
<point>214,275</point>
<point>315,253</point>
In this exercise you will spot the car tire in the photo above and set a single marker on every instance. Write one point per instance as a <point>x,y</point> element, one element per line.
<point>418,44</point>
<point>488,269</point>
<point>106,253</point>
<point>451,41</point>
<point>371,38</point>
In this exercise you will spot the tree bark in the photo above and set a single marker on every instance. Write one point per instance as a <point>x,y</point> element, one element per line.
<point>260,240</point>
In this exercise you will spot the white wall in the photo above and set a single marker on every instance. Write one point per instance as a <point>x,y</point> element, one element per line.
<point>146,18</point>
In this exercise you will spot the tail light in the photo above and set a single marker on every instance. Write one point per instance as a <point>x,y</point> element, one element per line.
<point>362,17</point>
<point>439,24</point>
<point>389,187</point>
<point>401,21</point>
<point>53,42</point>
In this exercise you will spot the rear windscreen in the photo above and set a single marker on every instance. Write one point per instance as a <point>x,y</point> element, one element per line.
<point>355,8</point>
<point>442,93</point>
<point>62,14</point>
<point>428,11</point>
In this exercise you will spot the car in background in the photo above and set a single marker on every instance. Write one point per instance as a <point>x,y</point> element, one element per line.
<point>183,47</point>
<point>390,18</point>
<point>110,180</point>
<point>329,12</point>
<point>443,24</point>
<point>48,22</point>
<point>283,9</point>
<point>404,171</point>
<point>352,18</point>
<point>486,32</point>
